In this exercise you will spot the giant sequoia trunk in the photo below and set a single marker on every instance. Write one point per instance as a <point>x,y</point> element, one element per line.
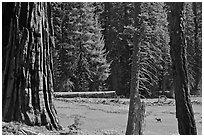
<point>135,125</point>
<point>184,111</point>
<point>27,82</point>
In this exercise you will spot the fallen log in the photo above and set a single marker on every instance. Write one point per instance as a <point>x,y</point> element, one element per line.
<point>99,94</point>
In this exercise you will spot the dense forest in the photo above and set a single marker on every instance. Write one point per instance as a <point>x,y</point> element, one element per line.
<point>94,46</point>
<point>141,49</point>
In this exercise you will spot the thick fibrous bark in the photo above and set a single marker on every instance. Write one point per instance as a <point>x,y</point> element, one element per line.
<point>184,111</point>
<point>135,125</point>
<point>27,64</point>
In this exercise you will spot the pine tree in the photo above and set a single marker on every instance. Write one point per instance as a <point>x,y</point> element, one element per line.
<point>81,49</point>
<point>115,17</point>
<point>99,66</point>
<point>189,29</point>
<point>197,10</point>
<point>193,48</point>
<point>58,15</point>
<point>155,50</point>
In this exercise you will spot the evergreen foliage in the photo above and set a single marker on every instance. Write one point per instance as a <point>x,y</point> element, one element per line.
<point>81,53</point>
<point>115,17</point>
<point>94,46</point>
<point>189,29</point>
<point>154,50</point>
<point>154,47</point>
<point>192,36</point>
<point>197,10</point>
<point>88,46</point>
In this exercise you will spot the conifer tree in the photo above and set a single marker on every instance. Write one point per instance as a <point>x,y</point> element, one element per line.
<point>189,29</point>
<point>81,51</point>
<point>155,50</point>
<point>197,10</point>
<point>191,21</point>
<point>115,17</point>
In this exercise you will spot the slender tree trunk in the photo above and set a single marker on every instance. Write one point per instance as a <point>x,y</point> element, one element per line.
<point>27,89</point>
<point>135,125</point>
<point>184,110</point>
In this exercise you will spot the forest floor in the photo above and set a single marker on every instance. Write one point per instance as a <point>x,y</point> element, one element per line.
<point>100,116</point>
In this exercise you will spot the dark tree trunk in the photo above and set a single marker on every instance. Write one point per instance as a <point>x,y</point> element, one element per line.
<point>184,110</point>
<point>108,37</point>
<point>114,77</point>
<point>135,125</point>
<point>27,89</point>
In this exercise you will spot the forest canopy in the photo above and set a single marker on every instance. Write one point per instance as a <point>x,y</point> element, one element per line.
<point>140,49</point>
<point>94,43</point>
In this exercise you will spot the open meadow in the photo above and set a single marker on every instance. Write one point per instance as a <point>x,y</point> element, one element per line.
<point>109,116</point>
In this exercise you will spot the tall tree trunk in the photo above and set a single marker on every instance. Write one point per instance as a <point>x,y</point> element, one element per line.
<point>184,110</point>
<point>27,89</point>
<point>113,78</point>
<point>135,125</point>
